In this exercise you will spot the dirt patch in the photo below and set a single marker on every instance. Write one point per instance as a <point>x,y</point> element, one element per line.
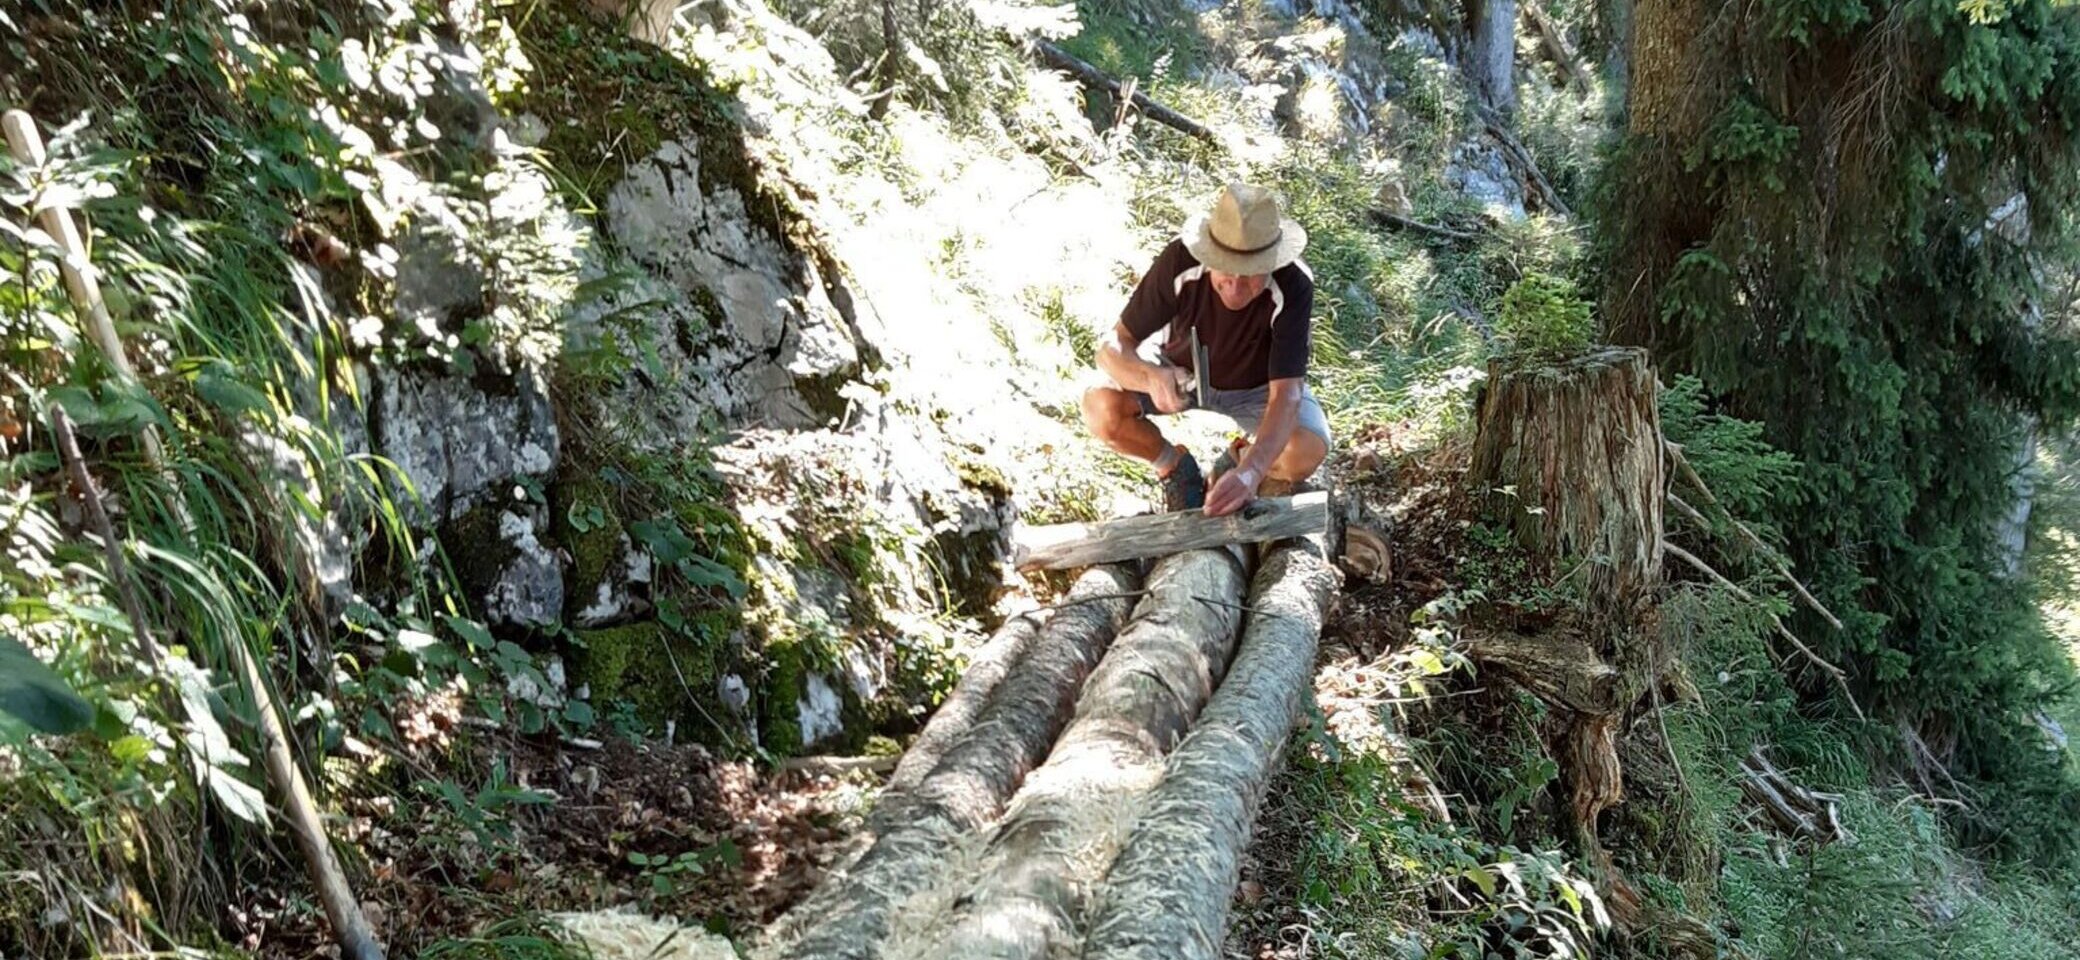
<point>671,830</point>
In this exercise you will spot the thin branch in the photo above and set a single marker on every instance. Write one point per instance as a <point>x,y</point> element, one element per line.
<point>1689,473</point>
<point>1396,221</point>
<point>1841,677</point>
<point>1059,59</point>
<point>1513,151</point>
<point>97,514</point>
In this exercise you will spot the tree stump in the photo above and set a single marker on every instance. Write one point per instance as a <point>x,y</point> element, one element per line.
<point>1569,458</point>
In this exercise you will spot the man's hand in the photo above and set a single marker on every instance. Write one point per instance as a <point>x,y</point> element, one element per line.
<point>1233,491</point>
<point>1166,387</point>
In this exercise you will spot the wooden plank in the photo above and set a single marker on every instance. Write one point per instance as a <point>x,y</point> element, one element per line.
<point>1065,545</point>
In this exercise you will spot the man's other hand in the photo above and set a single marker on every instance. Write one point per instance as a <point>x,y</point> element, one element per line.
<point>1166,388</point>
<point>1233,491</point>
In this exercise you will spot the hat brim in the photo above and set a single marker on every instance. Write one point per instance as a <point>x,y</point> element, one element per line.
<point>1198,238</point>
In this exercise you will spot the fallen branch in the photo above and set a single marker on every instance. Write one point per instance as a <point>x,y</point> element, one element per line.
<point>1167,895</point>
<point>1158,535</point>
<point>1388,218</point>
<point>1841,677</point>
<point>1554,40</point>
<point>1518,157</point>
<point>1802,813</point>
<point>852,913</point>
<point>1059,59</point>
<point>837,766</point>
<point>1689,473</point>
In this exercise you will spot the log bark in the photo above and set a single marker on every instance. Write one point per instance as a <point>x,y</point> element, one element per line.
<point>956,714</point>
<point>1060,59</point>
<point>1033,878</point>
<point>1568,456</point>
<point>1167,896</point>
<point>850,915</point>
<point>1067,545</point>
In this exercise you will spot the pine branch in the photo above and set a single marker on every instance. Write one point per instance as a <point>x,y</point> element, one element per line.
<point>1840,676</point>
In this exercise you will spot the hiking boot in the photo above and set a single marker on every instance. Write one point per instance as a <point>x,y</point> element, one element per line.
<point>1185,487</point>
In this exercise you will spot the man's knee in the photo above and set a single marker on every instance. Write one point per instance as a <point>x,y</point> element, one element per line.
<point>1105,411</point>
<point>1303,454</point>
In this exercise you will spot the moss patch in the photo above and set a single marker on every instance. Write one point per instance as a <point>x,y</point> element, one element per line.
<point>642,663</point>
<point>476,551</point>
<point>588,524</point>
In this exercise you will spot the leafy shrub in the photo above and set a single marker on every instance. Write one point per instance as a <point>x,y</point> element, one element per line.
<point>1544,316</point>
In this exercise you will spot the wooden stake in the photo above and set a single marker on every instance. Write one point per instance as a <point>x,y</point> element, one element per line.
<point>1067,545</point>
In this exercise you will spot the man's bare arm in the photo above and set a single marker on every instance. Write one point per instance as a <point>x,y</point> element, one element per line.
<point>1118,357</point>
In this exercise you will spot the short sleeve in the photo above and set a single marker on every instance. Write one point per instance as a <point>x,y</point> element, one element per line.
<point>1291,329</point>
<point>1154,303</point>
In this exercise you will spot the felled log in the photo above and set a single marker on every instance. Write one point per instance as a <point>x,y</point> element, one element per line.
<point>850,914</point>
<point>1032,880</point>
<point>956,714</point>
<point>1554,39</point>
<point>1066,545</point>
<point>1395,221</point>
<point>1060,59</point>
<point>1515,154</point>
<point>1167,896</point>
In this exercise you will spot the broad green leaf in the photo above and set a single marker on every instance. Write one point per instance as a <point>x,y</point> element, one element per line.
<point>33,693</point>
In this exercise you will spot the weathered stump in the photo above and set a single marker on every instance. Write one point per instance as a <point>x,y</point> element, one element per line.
<point>1569,458</point>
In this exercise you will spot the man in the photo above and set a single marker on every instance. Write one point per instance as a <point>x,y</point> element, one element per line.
<point>1236,277</point>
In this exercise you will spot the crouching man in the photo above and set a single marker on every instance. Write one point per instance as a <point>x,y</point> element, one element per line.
<point>1235,276</point>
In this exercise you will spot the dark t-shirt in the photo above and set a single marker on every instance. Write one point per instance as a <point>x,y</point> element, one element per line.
<point>1264,341</point>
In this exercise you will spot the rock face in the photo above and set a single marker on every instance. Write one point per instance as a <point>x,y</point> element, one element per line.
<point>774,341</point>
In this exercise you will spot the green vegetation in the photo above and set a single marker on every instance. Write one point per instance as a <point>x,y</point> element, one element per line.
<point>1865,293</point>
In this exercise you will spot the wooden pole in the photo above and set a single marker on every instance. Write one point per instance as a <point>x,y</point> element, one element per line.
<point>337,898</point>
<point>1066,545</point>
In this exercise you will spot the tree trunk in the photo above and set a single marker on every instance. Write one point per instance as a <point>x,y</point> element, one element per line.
<point>1569,457</point>
<point>1664,103</point>
<point>1033,878</point>
<point>1491,25</point>
<point>1167,896</point>
<point>851,913</point>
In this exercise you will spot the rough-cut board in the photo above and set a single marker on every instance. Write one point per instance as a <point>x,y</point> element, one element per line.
<point>1066,545</point>
<point>1166,896</point>
<point>911,828</point>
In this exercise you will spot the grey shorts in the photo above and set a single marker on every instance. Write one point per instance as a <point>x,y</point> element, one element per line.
<point>1246,408</point>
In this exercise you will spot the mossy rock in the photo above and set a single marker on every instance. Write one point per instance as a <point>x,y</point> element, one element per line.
<point>596,549</point>
<point>642,663</point>
<point>476,551</point>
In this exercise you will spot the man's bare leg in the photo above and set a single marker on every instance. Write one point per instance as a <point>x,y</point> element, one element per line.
<point>1302,456</point>
<point>1115,418</point>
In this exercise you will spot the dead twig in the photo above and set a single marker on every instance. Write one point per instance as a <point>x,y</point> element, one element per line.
<point>1840,676</point>
<point>1387,218</point>
<point>1689,473</point>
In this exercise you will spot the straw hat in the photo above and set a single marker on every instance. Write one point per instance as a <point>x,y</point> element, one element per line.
<point>1244,234</point>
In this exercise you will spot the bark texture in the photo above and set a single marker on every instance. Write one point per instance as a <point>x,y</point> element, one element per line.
<point>851,913</point>
<point>1167,896</point>
<point>1034,876</point>
<point>1492,27</point>
<point>1577,445</point>
<point>956,715</point>
<point>1065,545</point>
